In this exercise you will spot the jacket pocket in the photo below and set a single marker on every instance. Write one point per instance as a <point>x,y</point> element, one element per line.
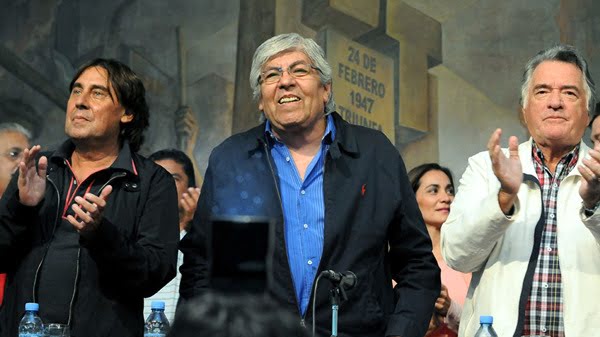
<point>362,312</point>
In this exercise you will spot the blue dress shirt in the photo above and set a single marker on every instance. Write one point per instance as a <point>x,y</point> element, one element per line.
<point>303,211</point>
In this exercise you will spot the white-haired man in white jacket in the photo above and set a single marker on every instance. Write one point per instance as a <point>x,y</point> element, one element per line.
<point>532,243</point>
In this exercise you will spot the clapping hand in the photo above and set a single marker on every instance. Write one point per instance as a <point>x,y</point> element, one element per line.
<point>89,211</point>
<point>590,184</point>
<point>508,170</point>
<point>32,179</point>
<point>188,202</point>
<point>442,304</point>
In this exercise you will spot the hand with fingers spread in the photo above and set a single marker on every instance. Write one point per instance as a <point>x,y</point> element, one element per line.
<point>590,184</point>
<point>508,170</point>
<point>89,211</point>
<point>32,179</point>
<point>442,304</point>
<point>187,206</point>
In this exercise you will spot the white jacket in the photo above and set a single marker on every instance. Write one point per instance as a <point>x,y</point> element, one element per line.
<point>479,238</point>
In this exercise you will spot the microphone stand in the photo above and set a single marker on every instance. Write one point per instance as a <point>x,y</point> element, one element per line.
<point>334,296</point>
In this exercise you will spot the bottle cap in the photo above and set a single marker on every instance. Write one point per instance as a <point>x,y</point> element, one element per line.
<point>32,307</point>
<point>486,319</point>
<point>158,305</point>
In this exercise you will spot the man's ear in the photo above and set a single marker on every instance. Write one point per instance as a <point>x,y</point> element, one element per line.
<point>326,93</point>
<point>126,117</point>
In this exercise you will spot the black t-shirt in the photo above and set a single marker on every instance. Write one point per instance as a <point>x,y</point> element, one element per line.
<point>60,269</point>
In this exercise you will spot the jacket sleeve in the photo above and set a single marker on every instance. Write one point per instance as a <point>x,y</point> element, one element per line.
<point>14,218</point>
<point>148,262</point>
<point>476,222</point>
<point>413,267</point>
<point>592,222</point>
<point>194,270</point>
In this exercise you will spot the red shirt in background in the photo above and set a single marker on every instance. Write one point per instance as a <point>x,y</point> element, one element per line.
<point>2,280</point>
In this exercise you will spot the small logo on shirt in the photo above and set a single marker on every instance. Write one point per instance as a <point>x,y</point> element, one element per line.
<point>363,190</point>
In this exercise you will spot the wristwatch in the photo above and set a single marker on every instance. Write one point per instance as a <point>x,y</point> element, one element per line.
<point>590,211</point>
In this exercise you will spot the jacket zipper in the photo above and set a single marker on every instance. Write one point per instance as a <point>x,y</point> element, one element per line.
<point>35,279</point>
<point>312,297</point>
<point>302,317</point>
<point>39,267</point>
<point>71,304</point>
<point>265,147</point>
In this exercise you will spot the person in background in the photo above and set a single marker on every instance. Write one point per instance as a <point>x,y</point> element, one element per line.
<point>89,229</point>
<point>179,165</point>
<point>221,315</point>
<point>526,219</point>
<point>14,139</point>
<point>434,189</point>
<point>339,195</point>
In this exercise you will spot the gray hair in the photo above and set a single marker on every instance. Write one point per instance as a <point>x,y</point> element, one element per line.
<point>290,42</point>
<point>562,53</point>
<point>16,127</point>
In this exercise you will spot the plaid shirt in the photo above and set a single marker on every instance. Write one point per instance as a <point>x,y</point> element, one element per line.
<point>544,313</point>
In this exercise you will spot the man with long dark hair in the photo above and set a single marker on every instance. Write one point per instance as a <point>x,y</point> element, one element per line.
<point>90,229</point>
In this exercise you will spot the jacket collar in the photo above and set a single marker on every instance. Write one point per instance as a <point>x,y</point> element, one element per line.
<point>124,161</point>
<point>344,141</point>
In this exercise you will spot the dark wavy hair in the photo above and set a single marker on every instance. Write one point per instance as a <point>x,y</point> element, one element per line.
<point>415,175</point>
<point>180,158</point>
<point>131,94</point>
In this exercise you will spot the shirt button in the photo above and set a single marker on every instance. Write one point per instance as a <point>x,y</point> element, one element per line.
<point>303,192</point>
<point>551,215</point>
<point>305,226</point>
<point>549,248</point>
<point>309,262</point>
<point>555,185</point>
<point>543,329</point>
<point>287,158</point>
<point>545,285</point>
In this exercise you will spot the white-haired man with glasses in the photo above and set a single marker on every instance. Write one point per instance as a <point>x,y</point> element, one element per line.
<point>339,193</point>
<point>14,139</point>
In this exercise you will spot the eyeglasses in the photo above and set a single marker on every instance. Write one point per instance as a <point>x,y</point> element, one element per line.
<point>298,70</point>
<point>14,154</point>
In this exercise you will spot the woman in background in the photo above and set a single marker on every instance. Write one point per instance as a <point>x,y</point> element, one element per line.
<point>434,189</point>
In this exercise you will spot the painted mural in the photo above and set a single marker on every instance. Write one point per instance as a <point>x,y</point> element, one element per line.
<point>436,76</point>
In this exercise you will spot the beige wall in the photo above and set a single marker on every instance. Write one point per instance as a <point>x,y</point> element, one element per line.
<point>470,55</point>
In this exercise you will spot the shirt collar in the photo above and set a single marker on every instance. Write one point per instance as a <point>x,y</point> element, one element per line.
<point>538,156</point>
<point>123,162</point>
<point>328,136</point>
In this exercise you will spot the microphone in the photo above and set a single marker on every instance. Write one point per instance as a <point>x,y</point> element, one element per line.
<point>346,280</point>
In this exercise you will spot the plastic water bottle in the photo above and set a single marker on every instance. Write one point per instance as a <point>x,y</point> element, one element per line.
<point>31,324</point>
<point>157,324</point>
<point>486,329</point>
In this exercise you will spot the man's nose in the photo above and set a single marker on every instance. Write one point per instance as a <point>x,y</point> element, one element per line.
<point>555,100</point>
<point>81,101</point>
<point>286,79</point>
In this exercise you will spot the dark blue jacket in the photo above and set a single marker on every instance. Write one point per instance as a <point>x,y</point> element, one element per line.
<point>373,227</point>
